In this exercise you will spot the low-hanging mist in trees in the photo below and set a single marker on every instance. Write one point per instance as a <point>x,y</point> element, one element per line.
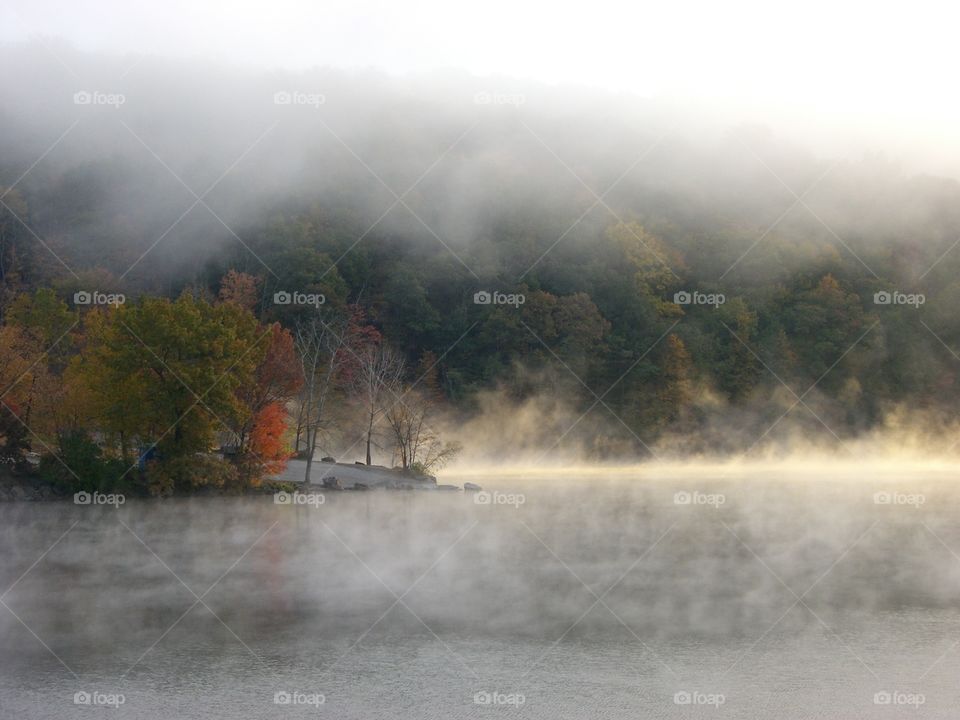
<point>707,212</point>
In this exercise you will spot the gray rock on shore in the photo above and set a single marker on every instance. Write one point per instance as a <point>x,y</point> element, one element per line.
<point>349,474</point>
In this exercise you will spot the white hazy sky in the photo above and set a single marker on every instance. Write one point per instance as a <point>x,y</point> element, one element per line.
<point>875,68</point>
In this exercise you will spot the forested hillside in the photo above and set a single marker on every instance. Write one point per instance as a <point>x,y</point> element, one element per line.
<point>694,287</point>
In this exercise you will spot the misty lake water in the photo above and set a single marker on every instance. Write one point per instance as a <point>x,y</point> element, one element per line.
<point>758,595</point>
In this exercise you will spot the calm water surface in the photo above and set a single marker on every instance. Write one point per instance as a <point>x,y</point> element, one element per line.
<point>759,596</point>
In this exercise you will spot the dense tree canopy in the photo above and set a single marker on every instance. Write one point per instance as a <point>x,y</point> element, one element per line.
<point>670,293</point>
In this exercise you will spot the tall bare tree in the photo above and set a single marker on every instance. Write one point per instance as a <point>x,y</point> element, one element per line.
<point>376,382</point>
<point>321,348</point>
<point>417,443</point>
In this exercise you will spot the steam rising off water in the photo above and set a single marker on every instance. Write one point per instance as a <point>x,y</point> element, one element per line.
<point>698,572</point>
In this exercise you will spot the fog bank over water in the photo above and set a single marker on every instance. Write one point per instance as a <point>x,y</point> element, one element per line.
<point>699,579</point>
<point>801,467</point>
<point>324,567</point>
<point>546,432</point>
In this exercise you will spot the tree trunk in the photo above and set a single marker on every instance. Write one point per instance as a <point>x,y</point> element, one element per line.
<point>369,434</point>
<point>311,444</point>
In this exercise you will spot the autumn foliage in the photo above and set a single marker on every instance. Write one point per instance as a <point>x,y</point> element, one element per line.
<point>267,441</point>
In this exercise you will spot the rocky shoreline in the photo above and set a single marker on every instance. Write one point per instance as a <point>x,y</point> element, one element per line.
<point>331,475</point>
<point>327,475</point>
